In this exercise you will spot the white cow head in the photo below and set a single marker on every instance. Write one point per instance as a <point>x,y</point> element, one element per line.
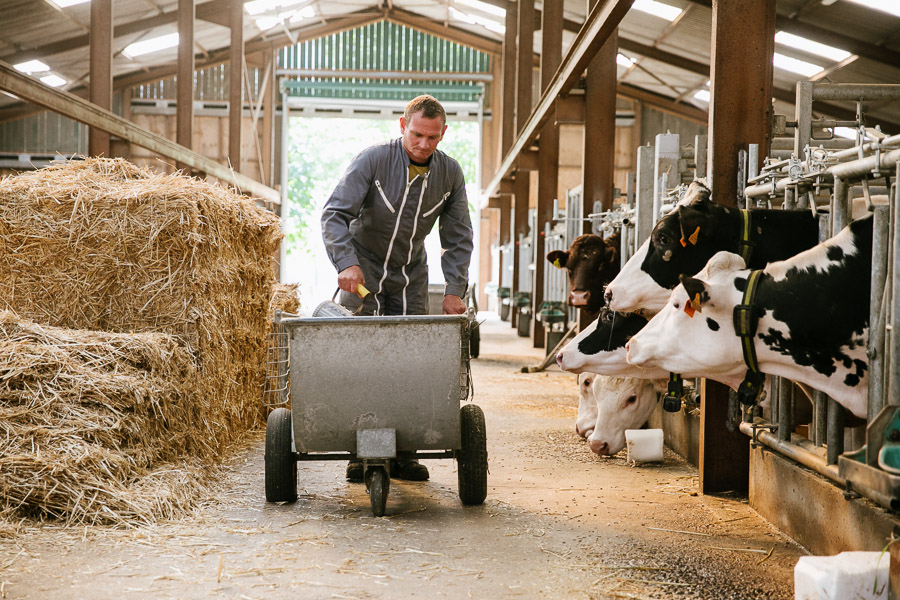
<point>587,405</point>
<point>694,334</point>
<point>622,403</point>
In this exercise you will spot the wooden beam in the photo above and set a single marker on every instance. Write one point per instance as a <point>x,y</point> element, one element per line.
<point>218,57</point>
<point>70,105</point>
<point>208,11</point>
<point>702,69</point>
<point>548,158</point>
<point>524,62</point>
<point>599,138</point>
<point>184,118</point>
<point>235,83</point>
<point>101,71</point>
<point>832,38</point>
<point>438,29</point>
<point>602,21</point>
<point>740,114</point>
<point>508,108</point>
<point>268,127</point>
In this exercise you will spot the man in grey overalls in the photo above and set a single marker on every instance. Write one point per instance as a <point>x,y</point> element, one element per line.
<point>375,222</point>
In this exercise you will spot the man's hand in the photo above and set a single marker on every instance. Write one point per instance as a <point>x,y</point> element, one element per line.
<point>454,305</point>
<point>350,279</point>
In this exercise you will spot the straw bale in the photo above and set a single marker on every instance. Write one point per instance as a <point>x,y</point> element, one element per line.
<point>87,418</point>
<point>104,246</point>
<point>286,298</point>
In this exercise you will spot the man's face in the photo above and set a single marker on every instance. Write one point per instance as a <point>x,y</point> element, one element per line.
<point>421,136</point>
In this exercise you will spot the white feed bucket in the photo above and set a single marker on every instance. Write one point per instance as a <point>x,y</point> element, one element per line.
<point>644,445</point>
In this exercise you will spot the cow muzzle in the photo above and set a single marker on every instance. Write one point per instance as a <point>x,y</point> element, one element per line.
<point>598,447</point>
<point>579,298</point>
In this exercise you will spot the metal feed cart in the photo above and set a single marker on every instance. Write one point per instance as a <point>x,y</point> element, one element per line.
<point>366,388</point>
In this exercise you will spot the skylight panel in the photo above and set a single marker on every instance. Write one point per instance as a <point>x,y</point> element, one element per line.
<point>484,7</point>
<point>156,44</point>
<point>890,7</point>
<point>67,3</point>
<point>292,16</point>
<point>257,7</point>
<point>801,43</point>
<point>702,95</point>
<point>794,65</point>
<point>624,61</point>
<point>657,9</point>
<point>53,80</point>
<point>477,20</point>
<point>31,66</point>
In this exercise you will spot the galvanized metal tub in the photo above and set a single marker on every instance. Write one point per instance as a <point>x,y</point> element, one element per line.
<point>404,373</point>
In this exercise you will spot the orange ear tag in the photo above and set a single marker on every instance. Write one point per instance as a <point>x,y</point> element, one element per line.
<point>556,264</point>
<point>694,236</point>
<point>696,303</point>
<point>683,243</point>
<point>689,309</point>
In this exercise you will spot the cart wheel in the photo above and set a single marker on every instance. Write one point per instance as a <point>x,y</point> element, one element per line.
<point>379,484</point>
<point>281,467</point>
<point>472,456</point>
<point>474,340</point>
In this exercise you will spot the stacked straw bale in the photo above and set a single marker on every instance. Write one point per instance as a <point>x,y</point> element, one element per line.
<point>170,281</point>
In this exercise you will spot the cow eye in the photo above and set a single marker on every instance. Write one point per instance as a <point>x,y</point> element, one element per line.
<point>677,306</point>
<point>663,239</point>
<point>631,400</point>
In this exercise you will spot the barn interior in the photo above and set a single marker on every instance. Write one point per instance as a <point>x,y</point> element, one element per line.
<point>591,117</point>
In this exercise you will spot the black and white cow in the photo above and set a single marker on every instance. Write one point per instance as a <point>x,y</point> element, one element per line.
<point>600,348</point>
<point>813,319</point>
<point>591,262</point>
<point>685,239</point>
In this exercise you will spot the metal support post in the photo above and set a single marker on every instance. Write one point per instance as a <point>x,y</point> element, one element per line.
<point>643,205</point>
<point>667,153</point>
<point>876,347</point>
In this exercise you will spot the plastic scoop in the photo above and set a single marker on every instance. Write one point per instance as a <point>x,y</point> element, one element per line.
<point>361,290</point>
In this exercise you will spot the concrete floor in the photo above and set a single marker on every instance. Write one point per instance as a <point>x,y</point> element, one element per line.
<point>558,522</point>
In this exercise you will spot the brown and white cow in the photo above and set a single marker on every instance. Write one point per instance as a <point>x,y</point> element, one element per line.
<point>813,319</point>
<point>591,262</point>
<point>685,239</point>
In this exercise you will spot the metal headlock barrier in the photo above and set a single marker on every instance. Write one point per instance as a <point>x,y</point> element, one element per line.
<point>824,175</point>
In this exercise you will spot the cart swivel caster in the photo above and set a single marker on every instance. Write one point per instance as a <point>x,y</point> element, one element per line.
<point>378,484</point>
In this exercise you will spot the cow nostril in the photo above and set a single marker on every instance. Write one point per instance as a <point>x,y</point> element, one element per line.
<point>598,447</point>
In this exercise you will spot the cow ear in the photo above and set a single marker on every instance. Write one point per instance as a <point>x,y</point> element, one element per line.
<point>612,254</point>
<point>696,291</point>
<point>558,258</point>
<point>700,194</point>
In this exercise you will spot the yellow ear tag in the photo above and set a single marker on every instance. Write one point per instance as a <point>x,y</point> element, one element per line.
<point>361,290</point>
<point>693,238</point>
<point>696,303</point>
<point>556,264</point>
<point>689,309</point>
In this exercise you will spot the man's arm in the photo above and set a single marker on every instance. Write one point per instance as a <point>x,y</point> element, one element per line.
<point>341,208</point>
<point>455,229</point>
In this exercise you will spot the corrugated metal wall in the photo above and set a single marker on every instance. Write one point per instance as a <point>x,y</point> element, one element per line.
<point>44,133</point>
<point>655,121</point>
<point>382,46</point>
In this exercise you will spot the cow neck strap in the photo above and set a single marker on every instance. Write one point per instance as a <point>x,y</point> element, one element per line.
<point>745,246</point>
<point>746,317</point>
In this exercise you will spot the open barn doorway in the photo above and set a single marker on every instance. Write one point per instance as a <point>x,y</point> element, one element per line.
<point>319,149</point>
